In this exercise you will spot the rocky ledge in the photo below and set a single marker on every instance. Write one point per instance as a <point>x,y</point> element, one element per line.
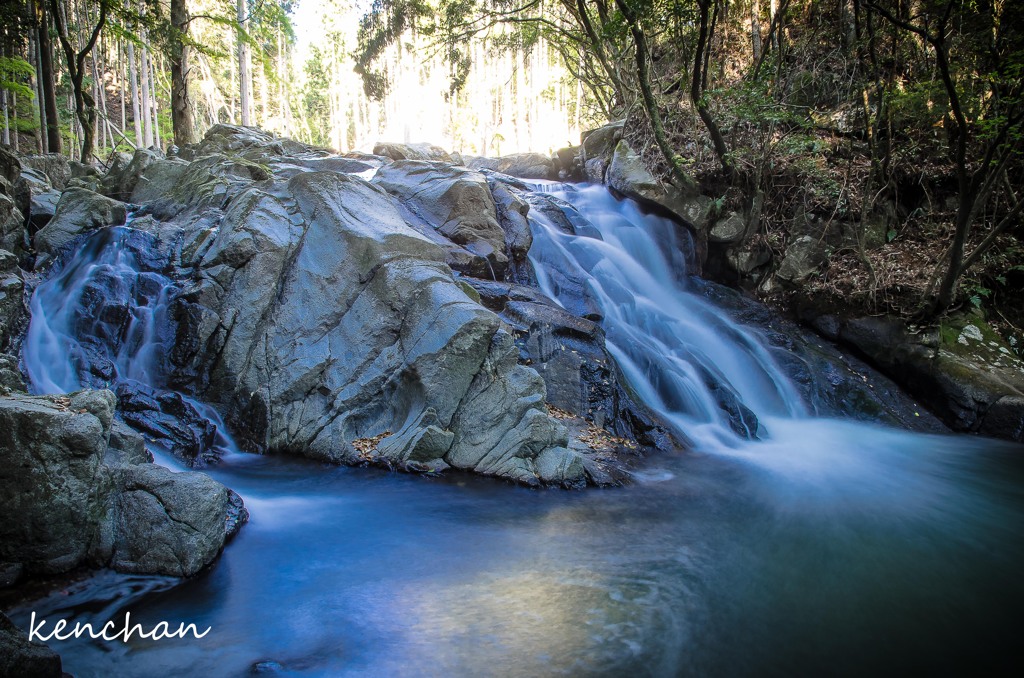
<point>85,493</point>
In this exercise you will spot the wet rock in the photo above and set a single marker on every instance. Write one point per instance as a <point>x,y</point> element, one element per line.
<point>595,170</point>
<point>21,658</point>
<point>628,175</point>
<point>512,209</point>
<point>79,211</point>
<point>166,417</point>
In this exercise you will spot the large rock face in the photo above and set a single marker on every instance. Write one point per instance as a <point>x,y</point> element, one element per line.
<point>961,369</point>
<point>77,489</point>
<point>455,202</point>
<point>318,312</point>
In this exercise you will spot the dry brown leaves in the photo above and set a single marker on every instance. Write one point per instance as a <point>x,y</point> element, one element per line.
<point>367,447</point>
<point>591,435</point>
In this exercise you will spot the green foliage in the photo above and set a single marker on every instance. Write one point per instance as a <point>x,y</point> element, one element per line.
<point>13,72</point>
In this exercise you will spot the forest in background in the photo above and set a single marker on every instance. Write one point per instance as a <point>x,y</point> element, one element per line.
<point>211,61</point>
<point>901,119</point>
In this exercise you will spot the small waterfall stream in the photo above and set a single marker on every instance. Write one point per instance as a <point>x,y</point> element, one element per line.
<point>102,322</point>
<point>823,547</point>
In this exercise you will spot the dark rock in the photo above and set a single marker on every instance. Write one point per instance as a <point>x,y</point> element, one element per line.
<point>79,211</point>
<point>21,658</point>
<point>166,417</point>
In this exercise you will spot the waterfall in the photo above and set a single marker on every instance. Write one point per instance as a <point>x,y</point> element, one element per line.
<point>677,350</point>
<point>102,321</point>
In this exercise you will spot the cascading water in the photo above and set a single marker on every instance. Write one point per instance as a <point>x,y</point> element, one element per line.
<point>102,322</point>
<point>677,350</point>
<point>825,547</point>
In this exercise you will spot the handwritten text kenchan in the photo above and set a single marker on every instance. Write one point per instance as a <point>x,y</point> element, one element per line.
<point>63,631</point>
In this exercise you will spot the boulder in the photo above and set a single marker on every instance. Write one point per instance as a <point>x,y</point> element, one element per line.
<point>21,658</point>
<point>54,166</point>
<point>802,258</point>
<point>157,179</point>
<point>122,177</point>
<point>81,492</point>
<point>167,523</point>
<point>54,480</point>
<point>599,144</point>
<point>522,165</point>
<point>456,203</point>
<point>12,304</point>
<point>628,175</point>
<point>79,211</point>
<point>730,229</point>
<point>427,152</point>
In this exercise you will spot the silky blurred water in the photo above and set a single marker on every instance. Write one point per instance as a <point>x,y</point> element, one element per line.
<point>827,547</point>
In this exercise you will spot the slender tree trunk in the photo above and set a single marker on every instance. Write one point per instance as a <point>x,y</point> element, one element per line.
<point>41,141</point>
<point>133,77</point>
<point>7,119</point>
<point>157,141</point>
<point>244,65</point>
<point>85,105</point>
<point>755,29</point>
<point>53,141</point>
<point>181,106</point>
<point>122,79</point>
<point>147,117</point>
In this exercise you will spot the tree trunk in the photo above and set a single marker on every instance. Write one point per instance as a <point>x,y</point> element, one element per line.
<point>157,141</point>
<point>755,29</point>
<point>147,117</point>
<point>181,106</point>
<point>53,142</point>
<point>41,105</point>
<point>133,77</point>
<point>244,65</point>
<point>85,105</point>
<point>697,91</point>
